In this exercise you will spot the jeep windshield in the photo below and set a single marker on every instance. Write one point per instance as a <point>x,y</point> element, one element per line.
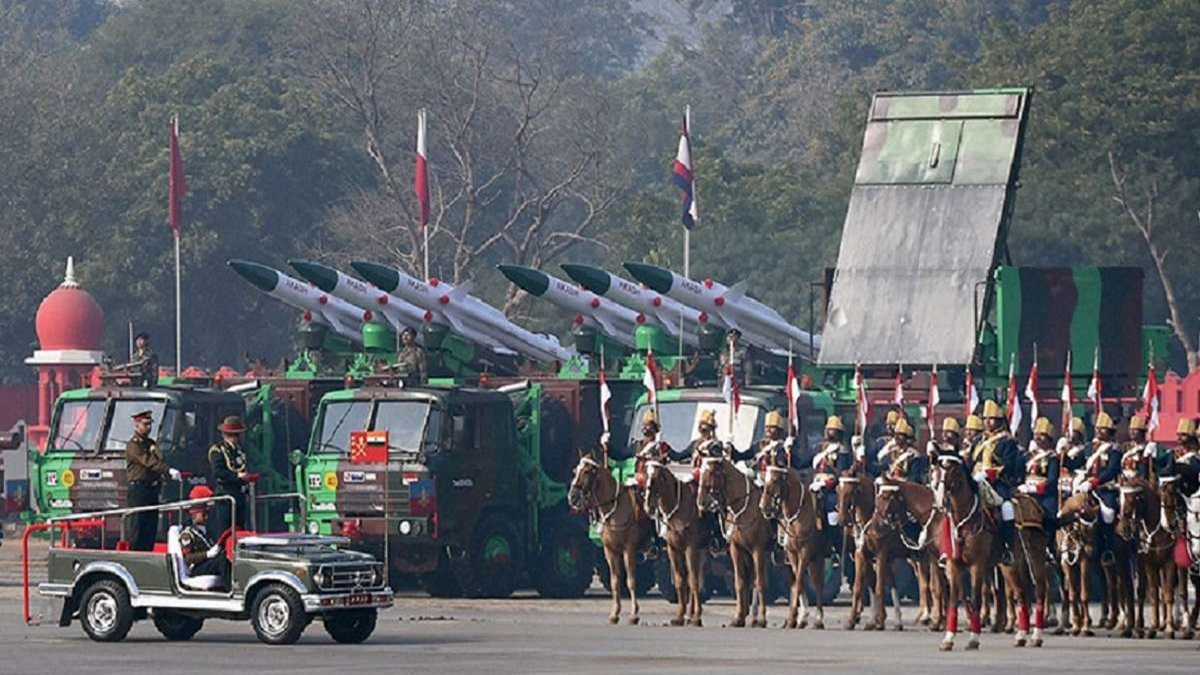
<point>679,420</point>
<point>405,422</point>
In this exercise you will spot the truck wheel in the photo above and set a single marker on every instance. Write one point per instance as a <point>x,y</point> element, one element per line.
<point>493,562</point>
<point>566,563</point>
<point>278,615</point>
<point>176,626</point>
<point>441,582</point>
<point>352,626</point>
<point>105,612</point>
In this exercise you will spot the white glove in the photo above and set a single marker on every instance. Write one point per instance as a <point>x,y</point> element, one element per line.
<point>1151,450</point>
<point>1062,444</point>
<point>1085,486</point>
<point>174,473</point>
<point>1033,446</point>
<point>605,438</point>
<point>213,552</point>
<point>789,442</point>
<point>816,485</point>
<point>728,439</point>
<point>856,442</point>
<point>980,476</point>
<point>931,448</point>
<point>1025,488</point>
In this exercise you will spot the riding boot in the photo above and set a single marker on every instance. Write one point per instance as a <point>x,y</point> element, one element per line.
<point>1007,532</point>
<point>717,538</point>
<point>1104,541</point>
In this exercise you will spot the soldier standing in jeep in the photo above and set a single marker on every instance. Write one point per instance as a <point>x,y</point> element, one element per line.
<point>145,470</point>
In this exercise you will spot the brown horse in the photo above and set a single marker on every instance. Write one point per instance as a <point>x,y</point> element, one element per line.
<point>788,501</point>
<point>624,527</point>
<point>969,544</point>
<point>1143,521</point>
<point>726,490</point>
<point>876,536</point>
<point>918,503</point>
<point>1077,548</point>
<point>1031,567</point>
<point>672,502</point>
<point>1187,490</point>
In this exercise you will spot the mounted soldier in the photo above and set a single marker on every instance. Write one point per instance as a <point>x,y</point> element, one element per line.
<point>972,434</point>
<point>1073,448</point>
<point>704,445</point>
<point>1137,454</point>
<point>1041,474</point>
<point>905,462</point>
<point>773,449</point>
<point>995,462</point>
<point>881,446</point>
<point>831,461</point>
<point>1100,474</point>
<point>1187,451</point>
<point>951,443</point>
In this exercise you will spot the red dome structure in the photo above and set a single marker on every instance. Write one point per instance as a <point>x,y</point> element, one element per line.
<point>69,318</point>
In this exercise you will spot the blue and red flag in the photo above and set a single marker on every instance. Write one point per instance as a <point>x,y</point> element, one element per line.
<point>682,175</point>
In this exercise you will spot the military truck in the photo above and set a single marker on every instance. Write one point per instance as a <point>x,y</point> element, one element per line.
<point>472,499</point>
<point>280,582</point>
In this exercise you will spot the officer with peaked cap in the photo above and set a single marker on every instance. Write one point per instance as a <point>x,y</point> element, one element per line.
<point>1100,474</point>
<point>1041,474</point>
<point>996,461</point>
<point>145,471</point>
<point>227,461</point>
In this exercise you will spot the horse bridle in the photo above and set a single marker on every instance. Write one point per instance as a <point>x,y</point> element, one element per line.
<point>720,496</point>
<point>782,497</point>
<point>596,507</point>
<point>1145,535</point>
<point>652,469</point>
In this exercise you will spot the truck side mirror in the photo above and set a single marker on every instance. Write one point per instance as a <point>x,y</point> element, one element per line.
<point>10,440</point>
<point>296,456</point>
<point>461,436</point>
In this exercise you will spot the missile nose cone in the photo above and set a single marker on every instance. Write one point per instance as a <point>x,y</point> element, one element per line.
<point>529,279</point>
<point>260,275</point>
<point>321,276</point>
<point>594,279</point>
<point>656,278</point>
<point>382,276</point>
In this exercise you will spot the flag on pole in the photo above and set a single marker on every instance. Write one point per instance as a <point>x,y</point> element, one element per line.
<point>1067,396</point>
<point>605,398</point>
<point>730,391</point>
<point>1014,398</point>
<point>1095,389</point>
<point>1031,392</point>
<point>1150,397</point>
<point>421,173</point>
<point>935,397</point>
<point>176,181</point>
<point>682,175</point>
<point>650,377</point>
<point>898,392</point>
<point>793,393</point>
<point>864,403</point>
<point>972,394</point>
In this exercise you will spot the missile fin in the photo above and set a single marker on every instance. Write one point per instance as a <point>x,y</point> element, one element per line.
<point>736,291</point>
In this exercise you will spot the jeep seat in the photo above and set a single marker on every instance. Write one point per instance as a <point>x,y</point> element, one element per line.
<point>204,582</point>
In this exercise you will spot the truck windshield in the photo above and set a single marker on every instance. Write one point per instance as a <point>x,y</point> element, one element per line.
<point>679,420</point>
<point>78,425</point>
<point>120,426</point>
<point>338,419</point>
<point>404,422</point>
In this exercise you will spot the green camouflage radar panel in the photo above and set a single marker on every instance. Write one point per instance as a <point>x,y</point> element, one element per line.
<point>928,211</point>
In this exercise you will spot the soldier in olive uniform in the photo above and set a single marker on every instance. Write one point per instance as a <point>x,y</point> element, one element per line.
<point>228,465</point>
<point>410,362</point>
<point>1041,475</point>
<point>740,358</point>
<point>200,552</point>
<point>145,470</point>
<point>143,368</point>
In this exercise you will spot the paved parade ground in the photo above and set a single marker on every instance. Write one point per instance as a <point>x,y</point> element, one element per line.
<point>531,635</point>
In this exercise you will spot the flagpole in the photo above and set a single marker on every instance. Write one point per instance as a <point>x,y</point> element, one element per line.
<point>178,314</point>
<point>687,231</point>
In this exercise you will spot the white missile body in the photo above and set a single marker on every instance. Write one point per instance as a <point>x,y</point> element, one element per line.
<point>648,304</point>
<point>318,306</point>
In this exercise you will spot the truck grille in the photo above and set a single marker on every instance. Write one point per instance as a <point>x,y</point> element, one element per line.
<point>349,577</point>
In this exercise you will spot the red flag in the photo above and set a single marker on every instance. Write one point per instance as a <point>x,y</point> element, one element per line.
<point>650,377</point>
<point>898,394</point>
<point>793,393</point>
<point>972,393</point>
<point>421,173</point>
<point>368,447</point>
<point>864,403</point>
<point>1014,399</point>
<point>605,397</point>
<point>176,181</point>
<point>1150,399</point>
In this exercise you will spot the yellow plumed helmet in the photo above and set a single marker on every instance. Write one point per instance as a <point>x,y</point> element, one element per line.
<point>1077,425</point>
<point>1105,421</point>
<point>774,419</point>
<point>903,428</point>
<point>1137,422</point>
<point>1187,427</point>
<point>892,416</point>
<point>708,417</point>
<point>991,409</point>
<point>649,417</point>
<point>950,424</point>
<point>834,422</point>
<point>1043,426</point>
<point>974,423</point>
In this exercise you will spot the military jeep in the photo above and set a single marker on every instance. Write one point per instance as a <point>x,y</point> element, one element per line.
<point>280,582</point>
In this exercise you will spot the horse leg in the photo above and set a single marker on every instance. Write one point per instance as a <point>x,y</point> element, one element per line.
<point>881,577</point>
<point>759,558</point>
<point>1019,602</point>
<point>953,588</point>
<point>614,583</point>
<point>1194,616</point>
<point>816,574</point>
<point>739,587</point>
<point>977,574</point>
<point>796,591</point>
<point>1083,596</point>
<point>896,600</point>
<point>856,603</point>
<point>1041,597</point>
<point>679,578</point>
<point>631,583</point>
<point>937,595</point>
<point>1069,612</point>
<point>695,570</point>
<point>1167,593</point>
<point>921,568</point>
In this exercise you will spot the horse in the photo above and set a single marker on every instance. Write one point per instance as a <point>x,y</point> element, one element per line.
<point>876,536</point>
<point>968,543</point>
<point>726,490</point>
<point>672,502</point>
<point>1031,567</point>
<point>1149,529</point>
<point>1077,547</point>
<point>796,509</point>
<point>1188,490</point>
<point>624,527</point>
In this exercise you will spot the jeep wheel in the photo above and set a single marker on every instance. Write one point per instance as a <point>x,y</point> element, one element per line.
<point>278,615</point>
<point>567,562</point>
<point>351,626</point>
<point>105,612</point>
<point>176,626</point>
<point>492,564</point>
